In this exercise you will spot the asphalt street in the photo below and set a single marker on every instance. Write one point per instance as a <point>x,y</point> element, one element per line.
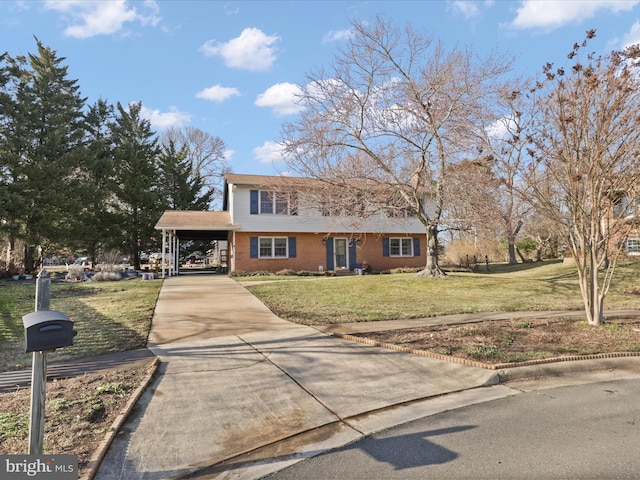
<point>584,431</point>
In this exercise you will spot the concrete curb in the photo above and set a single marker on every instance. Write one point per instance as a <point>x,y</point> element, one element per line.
<point>570,366</point>
<point>101,451</point>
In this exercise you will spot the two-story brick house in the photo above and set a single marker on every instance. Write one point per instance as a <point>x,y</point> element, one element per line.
<point>270,227</point>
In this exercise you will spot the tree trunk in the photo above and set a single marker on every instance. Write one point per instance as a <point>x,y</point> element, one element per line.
<point>29,258</point>
<point>511,240</point>
<point>594,300</point>
<point>136,259</point>
<point>432,268</point>
<point>512,252</point>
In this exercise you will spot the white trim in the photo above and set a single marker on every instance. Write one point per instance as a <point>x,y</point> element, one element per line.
<point>401,239</point>
<point>346,253</point>
<point>232,267</point>
<point>273,248</point>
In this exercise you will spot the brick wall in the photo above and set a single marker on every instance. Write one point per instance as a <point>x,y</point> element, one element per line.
<point>311,253</point>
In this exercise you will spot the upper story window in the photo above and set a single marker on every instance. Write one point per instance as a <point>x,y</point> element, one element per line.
<point>265,202</point>
<point>626,207</point>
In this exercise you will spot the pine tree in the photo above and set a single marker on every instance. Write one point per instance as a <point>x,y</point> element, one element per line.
<point>96,215</point>
<point>182,189</point>
<point>138,203</point>
<point>42,129</point>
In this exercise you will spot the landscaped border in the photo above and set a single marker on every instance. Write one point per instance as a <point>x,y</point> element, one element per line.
<point>475,363</point>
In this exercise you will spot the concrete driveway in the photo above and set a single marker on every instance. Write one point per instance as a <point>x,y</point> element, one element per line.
<point>241,393</point>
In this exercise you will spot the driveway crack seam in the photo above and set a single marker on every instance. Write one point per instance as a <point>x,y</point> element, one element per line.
<point>266,357</point>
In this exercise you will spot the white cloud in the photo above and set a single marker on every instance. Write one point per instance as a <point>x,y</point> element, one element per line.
<point>633,37</point>
<point>89,19</point>
<point>217,93</point>
<point>281,98</point>
<point>163,120</point>
<point>252,50</point>
<point>551,15</point>
<point>228,154</point>
<point>269,152</point>
<point>338,35</point>
<point>500,129</point>
<point>468,9</point>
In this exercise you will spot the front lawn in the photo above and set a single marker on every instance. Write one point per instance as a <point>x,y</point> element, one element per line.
<point>530,287</point>
<point>109,317</point>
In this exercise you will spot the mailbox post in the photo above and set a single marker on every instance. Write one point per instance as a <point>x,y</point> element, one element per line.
<point>45,330</point>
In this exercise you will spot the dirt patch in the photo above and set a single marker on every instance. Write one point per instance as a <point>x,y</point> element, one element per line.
<point>513,341</point>
<point>79,412</point>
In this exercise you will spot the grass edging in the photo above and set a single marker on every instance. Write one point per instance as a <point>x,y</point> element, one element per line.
<point>101,451</point>
<point>475,363</point>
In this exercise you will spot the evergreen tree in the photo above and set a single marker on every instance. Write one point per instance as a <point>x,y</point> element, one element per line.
<point>96,216</point>
<point>182,186</point>
<point>42,128</point>
<point>138,204</point>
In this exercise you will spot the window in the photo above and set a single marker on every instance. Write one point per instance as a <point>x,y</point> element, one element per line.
<point>281,203</point>
<point>401,247</point>
<point>633,246</point>
<point>273,247</point>
<point>625,207</point>
<point>264,202</point>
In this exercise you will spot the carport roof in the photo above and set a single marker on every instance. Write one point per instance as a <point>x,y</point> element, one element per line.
<point>197,225</point>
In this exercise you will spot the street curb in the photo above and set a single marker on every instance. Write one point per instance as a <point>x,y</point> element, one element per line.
<point>101,451</point>
<point>560,368</point>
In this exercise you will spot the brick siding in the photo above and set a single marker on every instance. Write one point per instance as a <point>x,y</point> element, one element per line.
<point>311,253</point>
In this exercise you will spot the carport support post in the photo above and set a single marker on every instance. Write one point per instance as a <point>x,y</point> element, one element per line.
<point>164,249</point>
<point>39,372</point>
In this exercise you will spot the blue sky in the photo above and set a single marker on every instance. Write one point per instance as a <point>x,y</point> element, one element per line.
<point>230,68</point>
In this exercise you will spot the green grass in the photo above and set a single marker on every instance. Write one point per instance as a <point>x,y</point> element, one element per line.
<point>13,426</point>
<point>109,317</point>
<point>530,287</point>
<point>116,316</point>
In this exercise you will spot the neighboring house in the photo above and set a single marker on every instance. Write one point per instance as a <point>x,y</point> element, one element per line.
<point>269,227</point>
<point>627,210</point>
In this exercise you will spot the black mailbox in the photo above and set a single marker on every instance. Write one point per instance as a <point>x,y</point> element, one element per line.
<point>47,330</point>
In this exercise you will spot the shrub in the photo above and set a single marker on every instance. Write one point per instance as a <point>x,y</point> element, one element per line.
<point>286,272</point>
<point>106,276</point>
<point>406,270</point>
<point>75,273</point>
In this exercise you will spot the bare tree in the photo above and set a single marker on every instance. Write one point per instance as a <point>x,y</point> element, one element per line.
<point>588,159</point>
<point>504,144</point>
<point>381,124</point>
<point>205,153</point>
<point>471,200</point>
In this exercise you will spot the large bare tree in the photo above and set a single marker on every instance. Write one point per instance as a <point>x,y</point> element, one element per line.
<point>205,154</point>
<point>588,159</point>
<point>384,119</point>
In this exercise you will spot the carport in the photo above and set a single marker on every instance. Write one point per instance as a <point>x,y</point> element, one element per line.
<point>183,225</point>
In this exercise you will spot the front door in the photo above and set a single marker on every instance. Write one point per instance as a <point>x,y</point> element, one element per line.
<point>340,253</point>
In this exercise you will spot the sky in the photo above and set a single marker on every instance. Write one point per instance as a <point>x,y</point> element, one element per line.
<point>231,68</point>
